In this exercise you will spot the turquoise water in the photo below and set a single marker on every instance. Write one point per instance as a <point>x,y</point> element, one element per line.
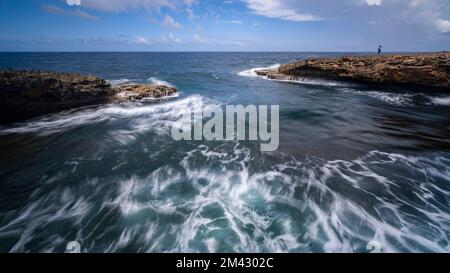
<point>355,165</point>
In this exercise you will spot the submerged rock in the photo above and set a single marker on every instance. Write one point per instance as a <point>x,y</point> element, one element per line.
<point>27,94</point>
<point>423,70</point>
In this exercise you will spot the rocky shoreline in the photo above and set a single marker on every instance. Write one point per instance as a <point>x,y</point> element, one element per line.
<point>27,94</point>
<point>430,70</point>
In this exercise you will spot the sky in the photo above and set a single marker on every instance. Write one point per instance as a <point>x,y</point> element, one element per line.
<point>226,25</point>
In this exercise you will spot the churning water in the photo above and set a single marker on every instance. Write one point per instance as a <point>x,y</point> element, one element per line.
<point>355,165</point>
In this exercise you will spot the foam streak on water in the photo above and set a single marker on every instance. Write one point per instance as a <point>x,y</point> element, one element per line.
<point>355,165</point>
<point>119,82</point>
<point>252,72</point>
<point>293,207</point>
<point>157,81</point>
<point>214,200</point>
<point>441,100</point>
<point>307,81</point>
<point>144,117</point>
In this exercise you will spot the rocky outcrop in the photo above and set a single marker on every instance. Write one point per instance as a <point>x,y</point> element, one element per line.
<point>27,94</point>
<point>139,92</point>
<point>422,70</point>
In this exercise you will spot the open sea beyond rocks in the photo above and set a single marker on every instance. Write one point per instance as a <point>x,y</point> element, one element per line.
<point>355,164</point>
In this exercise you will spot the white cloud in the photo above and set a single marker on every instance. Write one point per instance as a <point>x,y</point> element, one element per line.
<point>204,40</point>
<point>278,9</point>
<point>427,13</point>
<point>431,14</point>
<point>125,5</point>
<point>169,22</point>
<point>84,14</point>
<point>415,3</point>
<point>237,22</point>
<point>53,9</point>
<point>443,25</point>
<point>73,2</point>
<point>77,12</point>
<point>142,41</point>
<point>171,39</point>
<point>191,14</point>
<point>374,2</point>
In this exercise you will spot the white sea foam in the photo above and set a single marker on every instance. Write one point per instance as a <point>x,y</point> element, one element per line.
<point>392,98</point>
<point>235,196</point>
<point>118,82</point>
<point>311,81</point>
<point>308,81</point>
<point>54,207</point>
<point>400,99</point>
<point>441,100</point>
<point>158,118</point>
<point>252,72</point>
<point>157,81</point>
<point>182,207</point>
<point>151,80</point>
<point>213,197</point>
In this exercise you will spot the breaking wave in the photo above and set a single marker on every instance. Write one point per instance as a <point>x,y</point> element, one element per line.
<point>307,81</point>
<point>151,80</point>
<point>142,117</point>
<point>118,82</point>
<point>252,72</point>
<point>310,81</point>
<point>157,81</point>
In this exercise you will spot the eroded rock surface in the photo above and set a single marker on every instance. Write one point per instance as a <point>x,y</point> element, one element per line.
<point>27,94</point>
<point>426,70</point>
<point>139,92</point>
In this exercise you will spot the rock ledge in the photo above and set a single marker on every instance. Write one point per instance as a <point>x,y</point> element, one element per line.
<point>140,92</point>
<point>27,94</point>
<point>421,70</point>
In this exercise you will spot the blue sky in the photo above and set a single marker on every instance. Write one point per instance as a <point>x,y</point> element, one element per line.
<point>230,25</point>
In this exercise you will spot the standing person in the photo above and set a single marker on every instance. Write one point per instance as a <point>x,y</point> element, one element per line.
<point>380,47</point>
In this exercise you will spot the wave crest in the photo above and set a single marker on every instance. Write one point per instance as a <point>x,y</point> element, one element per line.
<point>252,72</point>
<point>157,81</point>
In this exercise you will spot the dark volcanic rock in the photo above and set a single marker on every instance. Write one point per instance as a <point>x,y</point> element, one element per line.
<point>426,70</point>
<point>27,94</point>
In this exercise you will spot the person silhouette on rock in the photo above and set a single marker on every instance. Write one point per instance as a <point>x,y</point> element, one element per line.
<point>380,47</point>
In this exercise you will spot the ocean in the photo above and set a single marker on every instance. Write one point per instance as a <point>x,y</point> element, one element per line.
<point>356,166</point>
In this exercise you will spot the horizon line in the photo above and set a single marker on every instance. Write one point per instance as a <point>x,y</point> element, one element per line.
<point>224,51</point>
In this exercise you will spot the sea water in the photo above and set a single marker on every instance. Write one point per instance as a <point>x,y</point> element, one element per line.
<point>356,166</point>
